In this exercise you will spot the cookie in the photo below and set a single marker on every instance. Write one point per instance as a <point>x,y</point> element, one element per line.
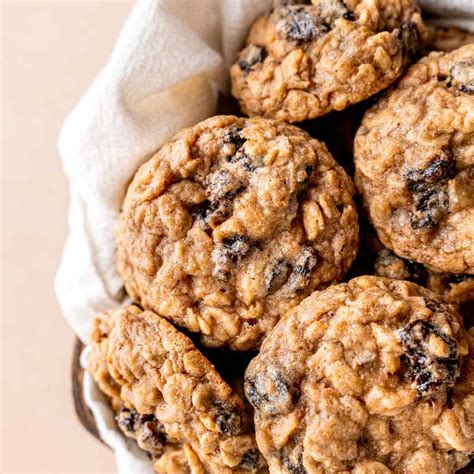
<point>414,158</point>
<point>305,60</point>
<point>231,224</point>
<point>168,457</point>
<point>374,375</point>
<point>447,38</point>
<point>173,402</point>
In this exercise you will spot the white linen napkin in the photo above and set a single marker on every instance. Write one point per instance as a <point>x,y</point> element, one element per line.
<point>458,13</point>
<point>165,71</point>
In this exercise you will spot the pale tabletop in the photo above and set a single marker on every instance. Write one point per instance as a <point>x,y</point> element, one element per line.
<point>51,51</point>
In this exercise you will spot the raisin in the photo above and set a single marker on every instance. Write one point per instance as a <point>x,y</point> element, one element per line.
<point>294,466</point>
<point>145,428</point>
<point>462,76</point>
<point>229,423</point>
<point>349,16</point>
<point>127,420</point>
<point>306,261</point>
<point>302,26</point>
<point>428,187</point>
<point>251,55</point>
<point>228,252</point>
<point>222,186</point>
<point>247,163</point>
<point>441,169</point>
<point>277,275</point>
<point>142,419</point>
<point>152,436</point>
<point>410,40</point>
<point>270,391</point>
<point>208,213</point>
<point>237,246</point>
<point>427,371</point>
<point>250,460</point>
<point>234,137</point>
<point>202,210</point>
<point>431,207</point>
<point>302,269</point>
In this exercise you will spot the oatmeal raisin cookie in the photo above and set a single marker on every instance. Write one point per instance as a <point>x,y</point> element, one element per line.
<point>414,158</point>
<point>173,402</point>
<point>231,224</point>
<point>304,60</point>
<point>374,375</point>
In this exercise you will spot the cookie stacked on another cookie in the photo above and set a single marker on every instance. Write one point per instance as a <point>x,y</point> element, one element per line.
<point>169,397</point>
<point>304,60</point>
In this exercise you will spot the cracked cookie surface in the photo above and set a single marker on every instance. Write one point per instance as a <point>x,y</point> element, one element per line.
<point>305,60</point>
<point>414,157</point>
<point>169,397</point>
<point>374,375</point>
<point>231,224</point>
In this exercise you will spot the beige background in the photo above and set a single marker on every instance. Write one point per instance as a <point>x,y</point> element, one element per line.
<point>50,52</point>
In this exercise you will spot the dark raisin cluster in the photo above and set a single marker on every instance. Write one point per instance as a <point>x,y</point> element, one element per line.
<point>295,275</point>
<point>253,54</point>
<point>229,252</point>
<point>429,190</point>
<point>306,23</point>
<point>271,391</point>
<point>301,25</point>
<point>428,372</point>
<point>146,429</point>
<point>223,187</point>
<point>229,423</point>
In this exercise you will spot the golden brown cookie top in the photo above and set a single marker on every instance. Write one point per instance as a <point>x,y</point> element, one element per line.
<point>373,375</point>
<point>304,60</point>
<point>172,395</point>
<point>414,157</point>
<point>231,224</point>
